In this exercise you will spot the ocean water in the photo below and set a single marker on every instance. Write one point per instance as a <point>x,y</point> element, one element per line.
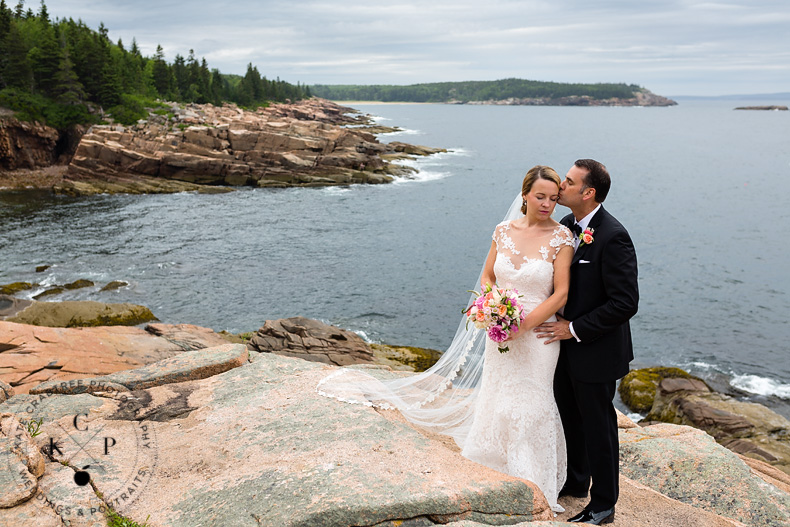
<point>703,190</point>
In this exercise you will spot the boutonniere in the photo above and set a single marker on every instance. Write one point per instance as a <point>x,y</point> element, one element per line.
<point>587,236</point>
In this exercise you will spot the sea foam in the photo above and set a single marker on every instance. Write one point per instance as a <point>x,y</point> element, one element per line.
<point>761,386</point>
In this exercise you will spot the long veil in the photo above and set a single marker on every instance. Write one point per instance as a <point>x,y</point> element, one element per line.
<point>441,398</point>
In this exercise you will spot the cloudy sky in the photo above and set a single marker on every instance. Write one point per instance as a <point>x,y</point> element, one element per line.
<point>672,47</point>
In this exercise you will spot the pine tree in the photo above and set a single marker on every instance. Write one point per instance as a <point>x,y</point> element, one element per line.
<point>68,89</point>
<point>43,14</point>
<point>16,72</point>
<point>161,72</point>
<point>181,75</point>
<point>5,20</point>
<point>45,60</point>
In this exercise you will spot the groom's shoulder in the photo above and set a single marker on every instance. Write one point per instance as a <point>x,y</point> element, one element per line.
<point>568,219</point>
<point>613,225</point>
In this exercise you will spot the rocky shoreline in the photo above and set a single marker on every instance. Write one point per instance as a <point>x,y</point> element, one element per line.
<point>642,98</point>
<point>208,149</point>
<point>216,429</point>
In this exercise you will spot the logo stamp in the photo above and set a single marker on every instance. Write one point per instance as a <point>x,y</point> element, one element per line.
<point>112,458</point>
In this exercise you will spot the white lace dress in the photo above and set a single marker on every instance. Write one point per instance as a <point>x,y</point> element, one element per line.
<point>516,427</point>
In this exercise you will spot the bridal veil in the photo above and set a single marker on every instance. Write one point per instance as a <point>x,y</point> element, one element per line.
<point>441,398</point>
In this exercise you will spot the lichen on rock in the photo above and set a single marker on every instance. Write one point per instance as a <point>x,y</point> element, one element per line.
<point>638,388</point>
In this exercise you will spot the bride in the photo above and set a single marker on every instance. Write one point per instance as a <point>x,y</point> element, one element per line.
<point>499,407</point>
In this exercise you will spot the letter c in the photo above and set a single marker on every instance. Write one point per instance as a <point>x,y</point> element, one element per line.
<point>76,424</point>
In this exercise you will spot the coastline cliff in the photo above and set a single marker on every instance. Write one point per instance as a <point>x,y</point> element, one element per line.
<point>313,142</point>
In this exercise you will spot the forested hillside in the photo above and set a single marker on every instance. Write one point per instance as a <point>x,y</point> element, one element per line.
<point>61,72</point>
<point>472,91</point>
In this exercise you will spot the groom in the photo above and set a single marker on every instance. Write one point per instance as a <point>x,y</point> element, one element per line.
<point>595,339</point>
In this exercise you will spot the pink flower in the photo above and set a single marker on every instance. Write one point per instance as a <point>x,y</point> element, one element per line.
<point>587,236</point>
<point>496,334</point>
<point>502,310</point>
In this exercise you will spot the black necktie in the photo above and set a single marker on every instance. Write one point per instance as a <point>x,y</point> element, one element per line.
<point>576,229</point>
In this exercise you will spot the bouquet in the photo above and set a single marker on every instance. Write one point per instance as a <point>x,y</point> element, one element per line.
<point>498,311</point>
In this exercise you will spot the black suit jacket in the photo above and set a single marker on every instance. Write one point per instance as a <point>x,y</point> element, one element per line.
<point>603,296</point>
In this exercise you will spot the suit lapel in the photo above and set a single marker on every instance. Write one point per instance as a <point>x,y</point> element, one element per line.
<point>595,221</point>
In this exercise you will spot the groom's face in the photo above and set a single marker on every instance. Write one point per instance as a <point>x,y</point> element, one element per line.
<point>572,187</point>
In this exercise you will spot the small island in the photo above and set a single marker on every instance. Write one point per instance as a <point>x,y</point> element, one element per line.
<point>507,92</point>
<point>773,107</point>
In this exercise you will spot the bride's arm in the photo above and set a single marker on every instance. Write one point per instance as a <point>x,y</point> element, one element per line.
<point>488,276</point>
<point>562,280</point>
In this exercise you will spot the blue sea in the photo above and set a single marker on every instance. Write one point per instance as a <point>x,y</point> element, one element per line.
<point>702,189</point>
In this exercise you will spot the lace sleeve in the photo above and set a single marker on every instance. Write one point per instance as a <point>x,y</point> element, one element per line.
<point>499,231</point>
<point>562,236</point>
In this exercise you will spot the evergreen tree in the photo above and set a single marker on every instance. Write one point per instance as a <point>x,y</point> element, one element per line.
<point>134,50</point>
<point>5,20</point>
<point>181,76</point>
<point>161,72</point>
<point>43,14</point>
<point>17,72</point>
<point>68,89</point>
<point>45,60</point>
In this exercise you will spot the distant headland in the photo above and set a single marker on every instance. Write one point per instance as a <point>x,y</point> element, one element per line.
<point>510,92</point>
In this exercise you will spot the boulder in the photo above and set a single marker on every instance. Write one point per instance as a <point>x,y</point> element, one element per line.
<point>409,358</point>
<point>9,306</point>
<point>747,428</point>
<point>416,150</point>
<point>687,465</point>
<point>638,388</point>
<point>26,145</point>
<point>6,391</point>
<point>16,287</point>
<point>187,336</point>
<point>30,355</point>
<point>71,314</point>
<point>316,341</point>
<point>115,284</point>
<point>187,366</point>
<point>311,340</point>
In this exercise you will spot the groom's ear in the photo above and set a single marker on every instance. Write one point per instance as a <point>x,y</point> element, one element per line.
<point>589,193</point>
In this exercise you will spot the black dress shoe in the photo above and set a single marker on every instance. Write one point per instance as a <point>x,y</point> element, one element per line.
<point>576,493</point>
<point>594,518</point>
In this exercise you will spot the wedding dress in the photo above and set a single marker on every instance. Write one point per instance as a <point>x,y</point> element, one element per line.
<point>516,427</point>
<point>499,407</point>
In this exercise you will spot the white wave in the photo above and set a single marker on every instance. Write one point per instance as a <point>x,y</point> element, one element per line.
<point>364,336</point>
<point>635,417</point>
<point>379,118</point>
<point>453,152</point>
<point>421,176</point>
<point>402,131</point>
<point>761,385</point>
<point>700,365</point>
<point>336,190</point>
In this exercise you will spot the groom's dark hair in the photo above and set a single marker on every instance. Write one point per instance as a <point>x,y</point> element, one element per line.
<point>597,177</point>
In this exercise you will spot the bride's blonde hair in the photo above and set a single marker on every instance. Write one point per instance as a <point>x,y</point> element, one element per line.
<point>535,173</point>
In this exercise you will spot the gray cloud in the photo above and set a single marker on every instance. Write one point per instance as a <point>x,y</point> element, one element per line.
<point>670,47</point>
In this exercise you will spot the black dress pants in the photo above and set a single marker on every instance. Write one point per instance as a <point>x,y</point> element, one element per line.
<point>590,425</point>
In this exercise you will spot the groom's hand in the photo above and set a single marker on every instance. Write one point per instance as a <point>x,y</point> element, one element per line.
<point>554,330</point>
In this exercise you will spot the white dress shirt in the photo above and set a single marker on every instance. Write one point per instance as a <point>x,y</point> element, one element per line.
<point>583,223</point>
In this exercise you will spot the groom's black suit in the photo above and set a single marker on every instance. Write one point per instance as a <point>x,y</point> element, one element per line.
<point>603,296</point>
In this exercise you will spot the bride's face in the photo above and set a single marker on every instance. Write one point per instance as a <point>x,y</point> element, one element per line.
<point>542,198</point>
